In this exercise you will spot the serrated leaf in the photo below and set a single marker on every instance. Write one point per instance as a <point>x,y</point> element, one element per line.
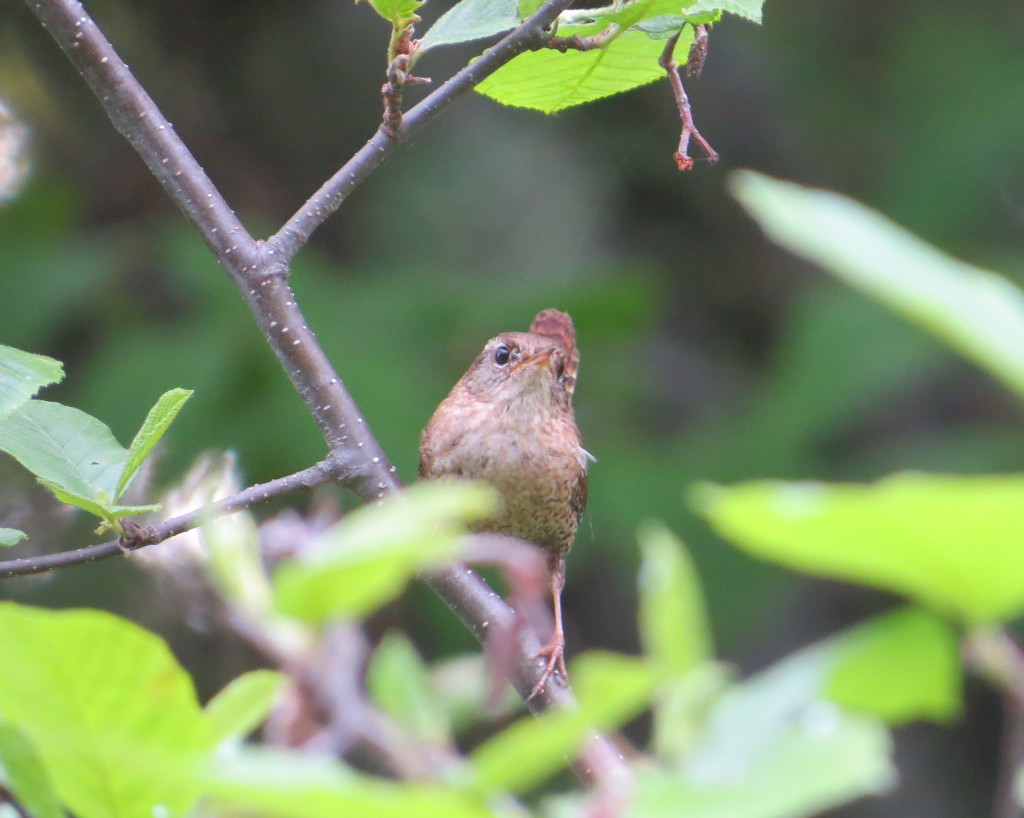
<point>399,683</point>
<point>549,81</point>
<point>673,621</point>
<point>611,689</point>
<point>11,536</point>
<point>64,447</point>
<point>901,666</point>
<point>748,9</point>
<point>954,543</point>
<point>111,713</point>
<point>977,312</point>
<point>157,421</point>
<point>22,374</point>
<point>471,20</point>
<point>23,771</point>
<point>365,560</point>
<point>290,785</point>
<point>243,704</point>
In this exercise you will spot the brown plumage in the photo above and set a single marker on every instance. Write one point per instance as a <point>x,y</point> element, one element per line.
<point>509,422</point>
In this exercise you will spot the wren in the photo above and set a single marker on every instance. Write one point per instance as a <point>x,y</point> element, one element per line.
<point>509,422</point>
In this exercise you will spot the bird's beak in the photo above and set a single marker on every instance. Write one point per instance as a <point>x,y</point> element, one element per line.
<point>541,357</point>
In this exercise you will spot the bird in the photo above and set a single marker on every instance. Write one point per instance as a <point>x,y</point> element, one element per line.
<point>509,422</point>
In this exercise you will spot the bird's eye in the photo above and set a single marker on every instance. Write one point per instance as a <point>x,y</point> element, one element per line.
<point>502,355</point>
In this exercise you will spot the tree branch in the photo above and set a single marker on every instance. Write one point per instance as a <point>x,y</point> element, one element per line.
<point>260,271</point>
<point>668,61</point>
<point>323,472</point>
<point>297,230</point>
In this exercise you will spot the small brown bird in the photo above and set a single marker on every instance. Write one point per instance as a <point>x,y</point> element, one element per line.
<point>509,422</point>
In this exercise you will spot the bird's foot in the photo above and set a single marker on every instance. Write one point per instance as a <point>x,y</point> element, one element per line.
<point>554,655</point>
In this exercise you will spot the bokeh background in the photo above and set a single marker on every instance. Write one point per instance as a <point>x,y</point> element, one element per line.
<point>708,354</point>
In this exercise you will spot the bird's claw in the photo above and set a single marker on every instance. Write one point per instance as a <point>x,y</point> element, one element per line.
<point>554,654</point>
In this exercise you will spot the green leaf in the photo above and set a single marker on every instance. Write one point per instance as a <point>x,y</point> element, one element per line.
<point>64,447</point>
<point>611,689</point>
<point>108,512</point>
<point>749,9</point>
<point>399,684</point>
<point>243,704</point>
<point>23,771</point>
<point>111,713</point>
<point>400,13</point>
<point>673,621</point>
<point>773,749</point>
<point>954,543</point>
<point>471,20</point>
<point>157,421</point>
<point>549,81</point>
<point>978,313</point>
<point>367,559</point>
<point>901,666</point>
<point>22,374</point>
<point>11,536</point>
<point>292,785</point>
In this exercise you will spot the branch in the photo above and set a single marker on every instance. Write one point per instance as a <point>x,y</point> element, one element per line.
<point>297,230</point>
<point>323,472</point>
<point>578,43</point>
<point>260,271</point>
<point>668,62</point>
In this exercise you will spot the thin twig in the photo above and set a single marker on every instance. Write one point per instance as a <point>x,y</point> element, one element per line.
<point>297,230</point>
<point>682,155</point>
<point>323,472</point>
<point>578,43</point>
<point>260,271</point>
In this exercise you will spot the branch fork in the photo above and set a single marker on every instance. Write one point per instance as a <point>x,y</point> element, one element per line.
<point>698,53</point>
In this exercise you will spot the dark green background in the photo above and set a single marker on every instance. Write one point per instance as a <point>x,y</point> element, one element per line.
<point>707,353</point>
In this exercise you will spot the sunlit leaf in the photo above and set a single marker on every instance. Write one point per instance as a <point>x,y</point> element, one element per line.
<point>11,536</point>
<point>23,771</point>
<point>900,666</point>
<point>157,421</point>
<point>243,704</point>
<point>367,559</point>
<point>953,543</point>
<point>112,715</point>
<point>673,622</point>
<point>290,785</point>
<point>611,689</point>
<point>978,313</point>
<point>22,374</point>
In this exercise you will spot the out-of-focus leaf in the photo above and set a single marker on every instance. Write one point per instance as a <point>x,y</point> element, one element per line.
<point>112,715</point>
<point>366,559</point>
<point>157,421</point>
<point>23,772</point>
<point>611,689</point>
<point>64,446</point>
<point>953,543</point>
<point>397,12</point>
<point>304,786</point>
<point>243,704</point>
<point>977,312</point>
<point>471,20</point>
<point>11,536</point>
<point>22,374</point>
<point>900,666</point>
<point>749,9</point>
<point>673,623</point>
<point>400,685</point>
<point>773,749</point>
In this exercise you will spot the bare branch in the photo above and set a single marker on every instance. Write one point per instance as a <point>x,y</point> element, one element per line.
<point>297,230</point>
<point>578,43</point>
<point>323,472</point>
<point>682,156</point>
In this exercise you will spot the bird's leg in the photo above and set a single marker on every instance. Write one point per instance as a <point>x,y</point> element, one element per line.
<point>554,651</point>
